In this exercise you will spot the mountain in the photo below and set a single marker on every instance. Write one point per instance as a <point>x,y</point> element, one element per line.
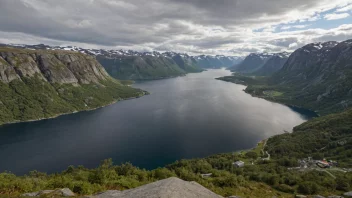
<point>184,61</point>
<point>147,66</point>
<point>37,84</point>
<point>129,64</point>
<point>218,61</point>
<point>273,64</point>
<point>319,75</point>
<point>133,65</point>
<point>252,63</point>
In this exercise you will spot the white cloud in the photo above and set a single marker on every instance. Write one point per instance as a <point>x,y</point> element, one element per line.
<point>192,26</point>
<point>335,16</point>
<point>345,9</point>
<point>293,46</point>
<point>287,27</point>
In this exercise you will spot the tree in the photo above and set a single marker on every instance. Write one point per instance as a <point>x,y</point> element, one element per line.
<point>308,188</point>
<point>252,155</point>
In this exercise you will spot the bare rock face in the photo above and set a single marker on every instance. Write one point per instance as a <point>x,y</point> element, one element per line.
<point>86,70</point>
<point>7,72</point>
<point>52,66</point>
<point>54,70</point>
<point>171,187</point>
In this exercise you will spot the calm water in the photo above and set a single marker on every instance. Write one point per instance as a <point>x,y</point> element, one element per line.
<point>184,117</point>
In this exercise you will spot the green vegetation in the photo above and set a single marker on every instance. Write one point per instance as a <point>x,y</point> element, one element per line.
<point>34,98</point>
<point>329,96</point>
<point>325,137</point>
<point>147,67</point>
<point>138,68</point>
<point>260,86</point>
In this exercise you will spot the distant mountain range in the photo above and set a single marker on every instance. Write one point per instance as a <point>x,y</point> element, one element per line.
<point>263,64</point>
<point>129,64</point>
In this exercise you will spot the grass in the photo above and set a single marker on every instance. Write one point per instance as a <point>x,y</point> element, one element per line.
<point>271,93</point>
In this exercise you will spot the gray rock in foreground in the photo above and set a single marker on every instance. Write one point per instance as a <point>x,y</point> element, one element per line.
<point>167,188</point>
<point>348,194</point>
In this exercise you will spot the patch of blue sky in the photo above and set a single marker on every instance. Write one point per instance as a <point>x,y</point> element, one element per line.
<point>321,23</point>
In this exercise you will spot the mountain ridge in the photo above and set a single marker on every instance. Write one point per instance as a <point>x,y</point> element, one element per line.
<point>317,76</point>
<point>40,84</point>
<point>134,65</point>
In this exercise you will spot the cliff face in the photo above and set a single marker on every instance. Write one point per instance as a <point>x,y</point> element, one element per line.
<point>36,84</point>
<point>52,66</point>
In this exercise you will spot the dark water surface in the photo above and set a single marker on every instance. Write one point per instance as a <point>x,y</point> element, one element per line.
<point>184,117</point>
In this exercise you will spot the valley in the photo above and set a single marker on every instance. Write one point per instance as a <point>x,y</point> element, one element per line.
<point>43,75</point>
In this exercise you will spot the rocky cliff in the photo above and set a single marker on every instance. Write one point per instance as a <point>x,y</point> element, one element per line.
<point>51,66</point>
<point>36,84</point>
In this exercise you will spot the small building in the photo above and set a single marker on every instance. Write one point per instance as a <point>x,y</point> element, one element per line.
<point>323,164</point>
<point>238,164</point>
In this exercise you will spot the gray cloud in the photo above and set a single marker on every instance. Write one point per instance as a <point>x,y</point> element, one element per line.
<point>195,26</point>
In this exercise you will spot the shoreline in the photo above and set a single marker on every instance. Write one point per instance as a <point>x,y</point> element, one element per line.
<point>163,78</point>
<point>268,99</point>
<point>282,103</point>
<point>74,112</point>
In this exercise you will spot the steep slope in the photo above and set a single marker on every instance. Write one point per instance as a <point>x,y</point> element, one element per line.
<point>273,64</point>
<point>251,63</point>
<point>184,61</point>
<point>36,84</point>
<point>146,67</point>
<point>319,75</point>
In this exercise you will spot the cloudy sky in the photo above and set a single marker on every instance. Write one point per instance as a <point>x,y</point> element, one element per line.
<point>230,27</point>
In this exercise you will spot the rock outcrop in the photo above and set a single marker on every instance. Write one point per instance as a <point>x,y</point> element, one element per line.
<point>52,66</point>
<point>167,188</point>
